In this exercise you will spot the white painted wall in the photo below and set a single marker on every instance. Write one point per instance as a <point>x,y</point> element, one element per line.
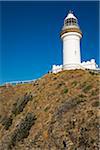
<point>56,68</point>
<point>90,64</point>
<point>84,65</point>
<point>71,48</point>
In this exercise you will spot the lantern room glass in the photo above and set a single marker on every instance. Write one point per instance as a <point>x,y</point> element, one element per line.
<point>71,22</point>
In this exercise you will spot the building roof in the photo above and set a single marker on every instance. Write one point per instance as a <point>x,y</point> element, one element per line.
<point>70,15</point>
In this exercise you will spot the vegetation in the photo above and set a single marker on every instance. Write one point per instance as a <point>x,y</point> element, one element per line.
<point>23,129</point>
<point>74,83</point>
<point>87,88</point>
<point>96,104</point>
<point>46,108</point>
<point>62,115</point>
<point>65,90</point>
<point>6,122</point>
<point>20,104</point>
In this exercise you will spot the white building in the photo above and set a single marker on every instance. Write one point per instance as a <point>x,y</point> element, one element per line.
<point>71,36</point>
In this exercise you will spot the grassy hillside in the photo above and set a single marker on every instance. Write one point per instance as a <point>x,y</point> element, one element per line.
<point>57,112</point>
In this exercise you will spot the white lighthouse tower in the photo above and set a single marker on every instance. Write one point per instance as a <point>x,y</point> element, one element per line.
<point>71,35</point>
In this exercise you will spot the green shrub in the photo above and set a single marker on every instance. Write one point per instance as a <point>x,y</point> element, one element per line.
<point>69,104</point>
<point>6,122</point>
<point>83,85</point>
<point>54,78</point>
<point>87,88</point>
<point>65,90</point>
<point>74,83</point>
<point>59,84</point>
<point>21,103</point>
<point>96,104</point>
<point>91,72</point>
<point>95,92</point>
<point>81,96</point>
<point>22,130</point>
<point>46,108</point>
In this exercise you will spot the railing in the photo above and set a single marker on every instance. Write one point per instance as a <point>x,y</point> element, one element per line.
<point>19,82</point>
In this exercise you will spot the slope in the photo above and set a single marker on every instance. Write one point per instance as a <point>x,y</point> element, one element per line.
<point>57,112</point>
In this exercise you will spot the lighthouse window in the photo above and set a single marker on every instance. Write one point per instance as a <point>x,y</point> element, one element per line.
<point>73,21</point>
<point>70,21</point>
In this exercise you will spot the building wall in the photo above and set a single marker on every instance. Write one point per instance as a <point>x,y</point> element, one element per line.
<point>71,48</point>
<point>84,65</point>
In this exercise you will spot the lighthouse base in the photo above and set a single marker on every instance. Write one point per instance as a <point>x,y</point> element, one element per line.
<point>84,65</point>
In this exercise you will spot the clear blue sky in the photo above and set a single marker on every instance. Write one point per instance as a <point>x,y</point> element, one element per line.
<point>30,36</point>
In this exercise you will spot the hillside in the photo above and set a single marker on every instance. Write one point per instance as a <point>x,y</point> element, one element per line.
<point>57,112</point>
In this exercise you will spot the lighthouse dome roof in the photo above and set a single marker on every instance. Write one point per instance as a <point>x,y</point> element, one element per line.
<point>70,15</point>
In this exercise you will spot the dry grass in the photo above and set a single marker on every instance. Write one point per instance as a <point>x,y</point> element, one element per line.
<point>66,106</point>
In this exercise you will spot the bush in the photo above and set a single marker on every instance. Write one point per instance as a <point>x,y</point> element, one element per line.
<point>87,88</point>
<point>59,85</point>
<point>65,90</point>
<point>74,83</point>
<point>54,78</point>
<point>21,103</point>
<point>96,104</point>
<point>69,104</point>
<point>95,92</point>
<point>81,96</point>
<point>46,108</point>
<point>91,72</point>
<point>23,129</point>
<point>6,122</point>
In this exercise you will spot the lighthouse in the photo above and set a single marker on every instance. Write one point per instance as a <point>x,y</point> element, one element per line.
<point>71,35</point>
